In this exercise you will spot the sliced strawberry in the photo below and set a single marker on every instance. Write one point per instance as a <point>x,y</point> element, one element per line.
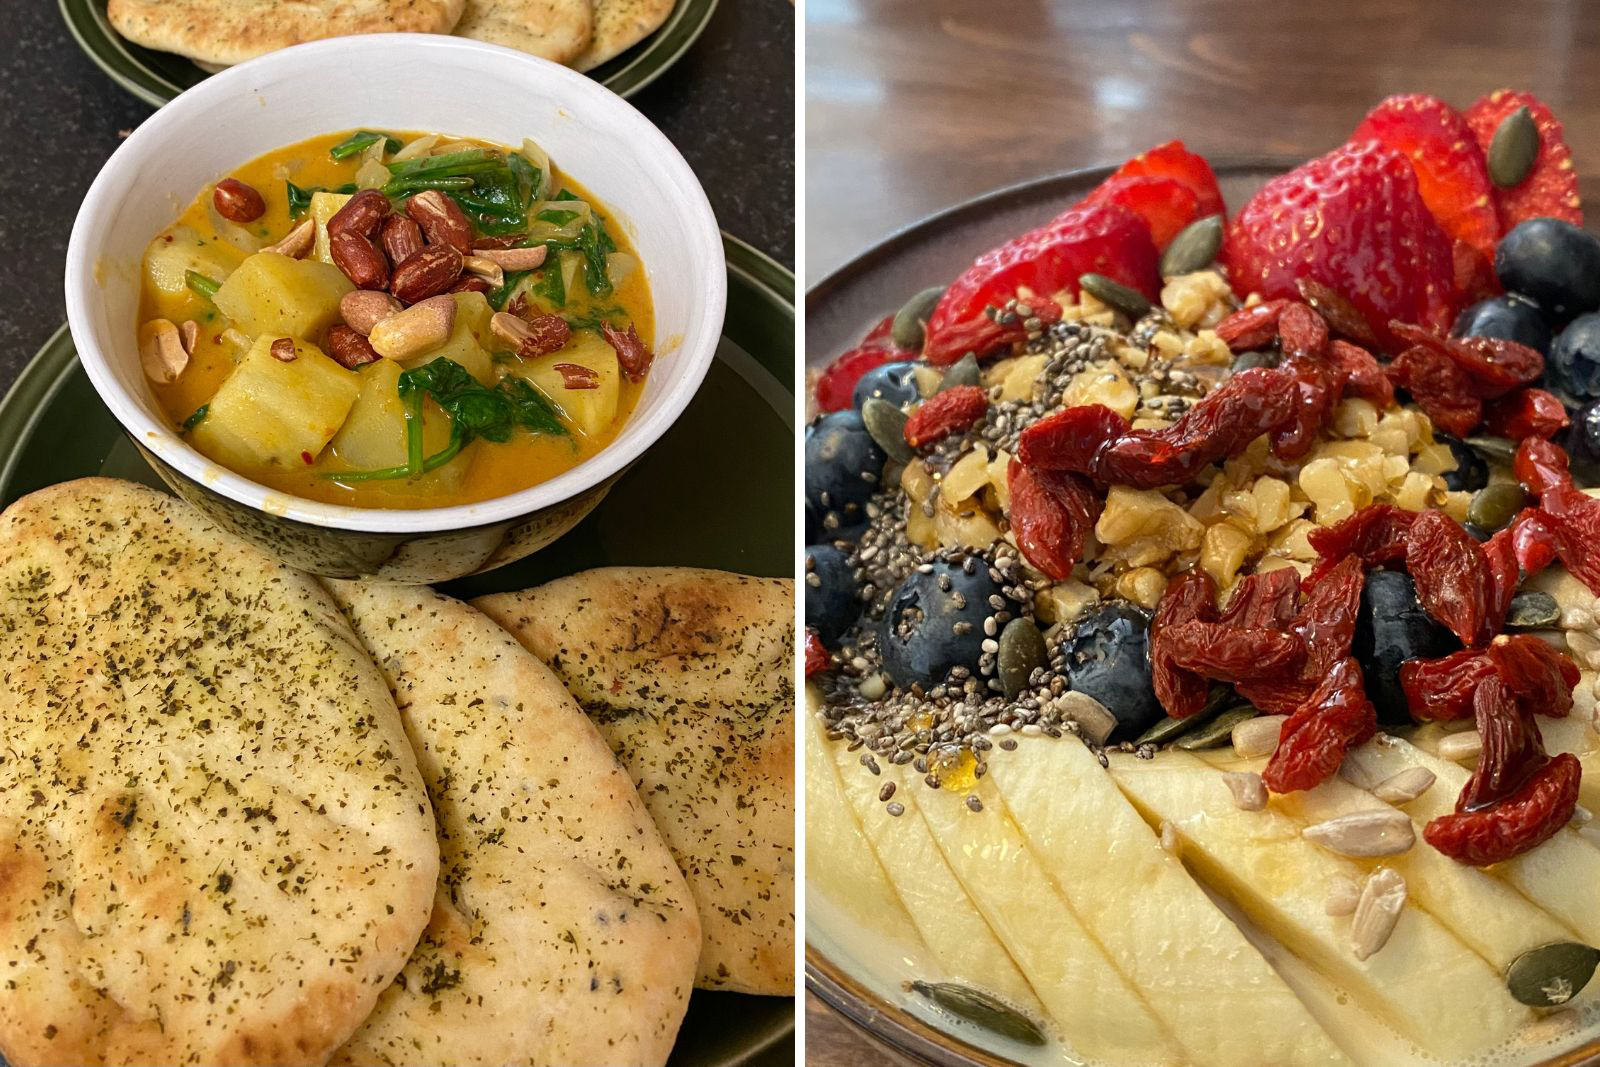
<point>1166,204</point>
<point>1173,160</point>
<point>836,385</point>
<point>1354,221</point>
<point>1475,276</point>
<point>1091,238</point>
<point>1551,188</point>
<point>1451,173</point>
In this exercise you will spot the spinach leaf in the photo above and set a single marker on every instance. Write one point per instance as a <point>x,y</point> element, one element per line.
<point>199,283</point>
<point>300,199</point>
<point>467,161</point>
<point>407,186</point>
<point>197,418</point>
<point>360,141</point>
<point>550,286</point>
<point>498,298</point>
<point>529,178</point>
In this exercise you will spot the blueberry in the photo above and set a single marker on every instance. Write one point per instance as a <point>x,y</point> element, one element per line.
<point>1510,318</point>
<point>1574,364</point>
<point>1583,445</point>
<point>1391,627</point>
<point>919,638</point>
<point>894,382</point>
<point>833,603</point>
<point>1471,472</point>
<point>1553,263</point>
<point>1108,658</point>
<point>843,467</point>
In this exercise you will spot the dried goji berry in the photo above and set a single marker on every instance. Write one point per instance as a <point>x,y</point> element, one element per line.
<point>1539,676</point>
<point>1251,327</point>
<point>1361,373</point>
<point>1190,597</point>
<point>1314,740</point>
<point>1302,333</point>
<point>818,658</point>
<point>1069,439</point>
<point>1376,535</point>
<point>1220,425</point>
<point>1441,690</point>
<point>1526,413</point>
<point>1541,465</point>
<point>1234,653</point>
<point>1523,820</point>
<point>1452,577</point>
<point>1515,553</point>
<point>1493,366</point>
<point>1316,395</point>
<point>1512,748</point>
<point>943,414</point>
<point>1342,316</point>
<point>1269,599</point>
<point>1439,387</point>
<point>1570,517</point>
<point>1052,514</point>
<point>1327,617</point>
<point>836,385</point>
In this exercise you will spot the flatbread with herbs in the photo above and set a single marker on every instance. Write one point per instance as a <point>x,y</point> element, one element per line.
<point>558,30</point>
<point>215,847</point>
<point>619,25</point>
<point>223,32</point>
<point>689,675</point>
<point>562,932</point>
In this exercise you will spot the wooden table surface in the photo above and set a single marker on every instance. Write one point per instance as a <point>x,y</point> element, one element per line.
<point>915,105</point>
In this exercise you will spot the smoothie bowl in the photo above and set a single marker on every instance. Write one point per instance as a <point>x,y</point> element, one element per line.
<point>1201,647</point>
<point>400,306</point>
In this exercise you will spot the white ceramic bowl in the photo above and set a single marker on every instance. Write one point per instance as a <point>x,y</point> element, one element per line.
<point>402,82</point>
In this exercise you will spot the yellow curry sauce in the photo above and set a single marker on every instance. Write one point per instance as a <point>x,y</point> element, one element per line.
<point>215,247</point>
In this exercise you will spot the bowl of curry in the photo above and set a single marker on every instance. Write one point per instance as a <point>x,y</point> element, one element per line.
<point>413,333</point>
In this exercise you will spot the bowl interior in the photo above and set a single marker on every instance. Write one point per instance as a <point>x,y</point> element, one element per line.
<point>402,82</point>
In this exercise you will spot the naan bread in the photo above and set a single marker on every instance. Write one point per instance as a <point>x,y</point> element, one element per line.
<point>215,847</point>
<point>562,932</point>
<point>689,674</point>
<point>222,32</point>
<point>619,25</point>
<point>558,30</point>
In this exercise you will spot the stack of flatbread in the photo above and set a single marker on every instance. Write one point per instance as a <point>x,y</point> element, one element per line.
<point>249,818</point>
<point>218,33</point>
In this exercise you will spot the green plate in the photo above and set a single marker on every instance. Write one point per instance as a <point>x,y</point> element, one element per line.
<point>156,77</point>
<point>692,500</point>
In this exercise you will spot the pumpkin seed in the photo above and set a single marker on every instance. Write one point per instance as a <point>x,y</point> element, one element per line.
<point>1551,975</point>
<point>1167,729</point>
<point>1218,731</point>
<point>1495,449</point>
<point>1022,651</point>
<point>963,371</point>
<point>886,424</point>
<point>911,321</point>
<point>1115,295</point>
<point>1533,610</point>
<point>1513,148</point>
<point>1195,247</point>
<point>1255,358</point>
<point>1495,505</point>
<point>981,1009</point>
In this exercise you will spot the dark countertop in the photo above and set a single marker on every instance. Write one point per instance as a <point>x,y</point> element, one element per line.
<point>728,104</point>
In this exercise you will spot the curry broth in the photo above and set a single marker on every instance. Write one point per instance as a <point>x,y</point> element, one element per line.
<point>484,470</point>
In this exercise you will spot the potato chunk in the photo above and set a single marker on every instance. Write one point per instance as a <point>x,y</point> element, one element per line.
<point>591,411</point>
<point>374,434</point>
<point>268,411</point>
<point>273,294</point>
<point>173,254</point>
<point>324,206</point>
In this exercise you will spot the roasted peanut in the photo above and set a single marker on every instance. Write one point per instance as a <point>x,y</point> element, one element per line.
<point>508,240</point>
<point>441,220</point>
<point>482,267</point>
<point>401,238</point>
<point>361,214</point>
<point>283,350</point>
<point>189,333</point>
<point>161,351</point>
<point>365,308</point>
<point>428,273</point>
<point>516,258</point>
<point>360,260</point>
<point>349,348</point>
<point>237,202</point>
<point>297,242</point>
<point>424,325</point>
<point>545,334</point>
<point>470,283</point>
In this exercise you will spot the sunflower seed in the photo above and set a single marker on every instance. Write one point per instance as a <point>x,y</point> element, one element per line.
<point>1258,736</point>
<point>1249,791</point>
<point>1343,895</point>
<point>1551,975</point>
<point>1116,295</point>
<point>1218,732</point>
<point>1462,747</point>
<point>911,321</point>
<point>963,371</point>
<point>1381,832</point>
<point>1533,610</point>
<point>981,1009</point>
<point>1513,148</point>
<point>1382,899</point>
<point>1404,787</point>
<point>1195,247</point>
<point>886,424</point>
<point>1022,651</point>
